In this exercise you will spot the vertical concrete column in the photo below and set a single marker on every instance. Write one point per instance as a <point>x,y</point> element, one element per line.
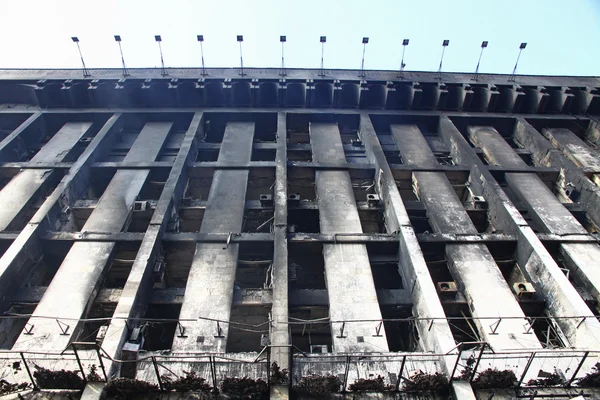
<point>471,265</point>
<point>532,256</point>
<point>280,337</point>
<point>212,274</point>
<point>139,282</point>
<point>582,259</point>
<point>80,274</point>
<point>22,188</point>
<point>350,285</point>
<point>573,148</point>
<point>435,334</point>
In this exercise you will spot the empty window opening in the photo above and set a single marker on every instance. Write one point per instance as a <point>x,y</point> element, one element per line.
<point>261,182</point>
<point>435,257</point>
<point>306,266</point>
<point>299,155</point>
<point>95,331</point>
<point>255,266</point>
<point>172,144</point>
<point>263,154</point>
<point>504,256</point>
<point>120,267</point>
<point>547,331</point>
<point>401,335</point>
<point>154,184</point>
<point>304,220</point>
<point>208,155</point>
<point>419,221</point>
<point>443,157</point>
<point>190,215</point>
<point>258,221</point>
<point>11,328</point>
<point>362,188</point>
<point>178,257</point>
<point>298,136</point>
<point>310,337</point>
<point>198,186</point>
<point>582,217</point>
<point>122,145</point>
<point>386,271</point>
<point>249,329</point>
<point>393,157</point>
<point>301,185</point>
<point>463,327</point>
<point>46,263</point>
<point>372,221</point>
<point>159,335</point>
<point>405,187</point>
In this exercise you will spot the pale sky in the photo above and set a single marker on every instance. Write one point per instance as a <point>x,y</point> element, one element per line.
<point>563,35</point>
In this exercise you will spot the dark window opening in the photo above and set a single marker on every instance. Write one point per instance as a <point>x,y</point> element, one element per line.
<point>303,220</point>
<point>190,215</point>
<point>463,327</point>
<point>178,257</point>
<point>386,274</point>
<point>405,187</point>
<point>401,335</point>
<point>263,154</point>
<point>306,266</point>
<point>261,181</point>
<point>419,221</point>
<point>299,155</point>
<point>315,337</point>
<point>11,328</point>
<point>159,335</point>
<point>46,263</point>
<point>255,266</point>
<point>94,331</point>
<point>121,264</point>
<point>198,187</point>
<point>242,338</point>
<point>154,184</point>
<point>207,155</point>
<point>444,158</point>
<point>301,182</point>
<point>393,157</point>
<point>372,221</point>
<point>258,221</point>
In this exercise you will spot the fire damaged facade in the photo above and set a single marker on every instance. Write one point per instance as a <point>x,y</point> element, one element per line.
<point>298,234</point>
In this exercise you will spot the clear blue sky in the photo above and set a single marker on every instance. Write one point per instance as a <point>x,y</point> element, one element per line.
<point>563,36</point>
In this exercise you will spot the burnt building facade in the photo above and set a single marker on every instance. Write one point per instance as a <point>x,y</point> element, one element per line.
<point>439,232</point>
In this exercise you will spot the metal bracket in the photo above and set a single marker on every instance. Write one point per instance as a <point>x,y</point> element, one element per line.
<point>494,326</point>
<point>64,328</point>
<point>29,329</point>
<point>581,322</point>
<point>341,335</point>
<point>430,325</point>
<point>228,240</point>
<point>528,329</point>
<point>181,329</point>
<point>219,331</point>
<point>378,330</point>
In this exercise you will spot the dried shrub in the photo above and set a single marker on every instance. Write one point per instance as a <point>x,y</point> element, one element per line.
<point>278,376</point>
<point>494,378</point>
<point>244,388</point>
<point>92,375</point>
<point>370,385</point>
<point>421,381</point>
<point>549,380</point>
<point>125,388</point>
<point>7,387</point>
<point>591,379</point>
<point>63,379</point>
<point>318,386</point>
<point>190,382</point>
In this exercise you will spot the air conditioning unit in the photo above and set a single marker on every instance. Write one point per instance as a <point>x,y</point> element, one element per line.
<point>447,290</point>
<point>266,200</point>
<point>523,290</point>
<point>86,139</point>
<point>140,206</point>
<point>373,199</point>
<point>318,349</point>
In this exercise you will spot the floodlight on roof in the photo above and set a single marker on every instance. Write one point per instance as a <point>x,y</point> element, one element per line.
<point>85,71</point>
